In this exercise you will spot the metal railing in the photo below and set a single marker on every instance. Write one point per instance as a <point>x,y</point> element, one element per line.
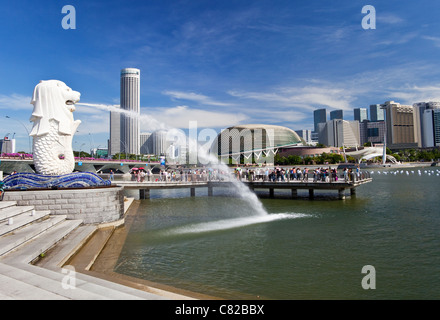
<point>196,177</point>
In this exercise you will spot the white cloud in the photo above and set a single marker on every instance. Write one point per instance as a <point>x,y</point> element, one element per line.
<point>180,116</point>
<point>435,40</point>
<point>402,39</point>
<point>413,94</point>
<point>389,18</point>
<point>306,97</point>
<point>199,98</point>
<point>15,102</point>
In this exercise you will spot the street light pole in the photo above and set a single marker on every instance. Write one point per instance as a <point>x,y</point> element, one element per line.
<point>80,149</point>
<point>125,150</point>
<point>29,137</point>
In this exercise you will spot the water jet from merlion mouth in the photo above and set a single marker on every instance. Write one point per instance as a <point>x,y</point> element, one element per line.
<point>153,124</point>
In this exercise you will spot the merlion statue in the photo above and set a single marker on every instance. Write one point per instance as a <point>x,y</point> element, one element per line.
<point>53,127</point>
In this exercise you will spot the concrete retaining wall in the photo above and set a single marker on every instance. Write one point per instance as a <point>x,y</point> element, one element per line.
<point>92,205</point>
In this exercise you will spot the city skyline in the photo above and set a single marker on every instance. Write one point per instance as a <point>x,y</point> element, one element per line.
<point>220,64</point>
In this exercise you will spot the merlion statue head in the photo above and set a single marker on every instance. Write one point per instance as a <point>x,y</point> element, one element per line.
<point>53,99</point>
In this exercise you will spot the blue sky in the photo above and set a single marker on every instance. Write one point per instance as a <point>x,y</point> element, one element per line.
<point>219,63</point>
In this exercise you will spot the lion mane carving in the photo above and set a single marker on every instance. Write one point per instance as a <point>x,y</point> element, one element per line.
<point>53,127</point>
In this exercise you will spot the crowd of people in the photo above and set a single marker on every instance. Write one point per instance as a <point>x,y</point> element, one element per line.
<point>276,174</point>
<point>176,175</point>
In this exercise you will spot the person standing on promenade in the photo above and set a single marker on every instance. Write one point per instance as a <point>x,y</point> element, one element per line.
<point>306,174</point>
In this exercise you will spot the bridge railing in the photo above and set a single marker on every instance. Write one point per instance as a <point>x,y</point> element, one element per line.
<point>216,177</point>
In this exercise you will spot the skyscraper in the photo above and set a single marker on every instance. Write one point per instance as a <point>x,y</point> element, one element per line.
<point>146,143</point>
<point>424,120</point>
<point>114,145</point>
<point>376,113</point>
<point>431,128</point>
<point>338,133</point>
<point>360,114</point>
<point>401,125</point>
<point>319,116</point>
<point>130,102</point>
<point>336,114</point>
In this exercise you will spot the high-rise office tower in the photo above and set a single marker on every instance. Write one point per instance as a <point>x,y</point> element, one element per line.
<point>336,114</point>
<point>401,124</point>
<point>372,131</point>
<point>159,142</point>
<point>306,135</point>
<point>431,128</point>
<point>114,145</point>
<point>338,133</point>
<point>376,113</point>
<point>360,114</point>
<point>130,102</point>
<point>146,143</point>
<point>424,134</point>
<point>319,116</point>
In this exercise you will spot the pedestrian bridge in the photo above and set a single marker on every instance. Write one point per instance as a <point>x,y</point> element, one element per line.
<point>340,186</point>
<point>9,165</point>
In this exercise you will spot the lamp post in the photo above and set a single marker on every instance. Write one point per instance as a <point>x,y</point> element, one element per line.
<point>125,149</point>
<point>80,149</point>
<point>29,137</point>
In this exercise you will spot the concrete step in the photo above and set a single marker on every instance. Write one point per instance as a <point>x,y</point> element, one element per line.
<point>37,284</point>
<point>14,239</point>
<point>12,211</point>
<point>103,288</point>
<point>17,290</point>
<point>5,204</point>
<point>22,220</point>
<point>88,254</point>
<point>52,231</point>
<point>67,248</point>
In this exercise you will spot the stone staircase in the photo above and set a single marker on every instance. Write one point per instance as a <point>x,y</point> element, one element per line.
<point>25,235</point>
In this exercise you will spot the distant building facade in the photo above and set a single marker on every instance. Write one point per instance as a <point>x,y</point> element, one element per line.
<point>338,133</point>
<point>376,113</point>
<point>401,125</point>
<point>114,143</point>
<point>372,131</point>
<point>425,127</point>
<point>319,116</point>
<point>336,115</point>
<point>431,128</point>
<point>360,114</point>
<point>159,142</point>
<point>146,143</point>
<point>7,145</point>
<point>130,102</point>
<point>306,135</point>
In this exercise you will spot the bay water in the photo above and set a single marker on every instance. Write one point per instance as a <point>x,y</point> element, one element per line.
<point>300,249</point>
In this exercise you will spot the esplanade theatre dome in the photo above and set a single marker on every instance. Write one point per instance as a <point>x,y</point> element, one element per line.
<point>253,138</point>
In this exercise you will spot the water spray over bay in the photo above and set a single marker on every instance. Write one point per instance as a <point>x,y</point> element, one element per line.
<point>203,155</point>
